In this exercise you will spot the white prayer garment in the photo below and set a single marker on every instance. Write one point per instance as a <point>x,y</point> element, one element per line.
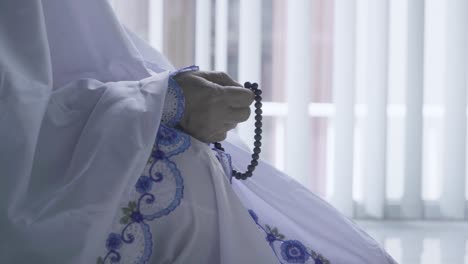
<point>93,170</point>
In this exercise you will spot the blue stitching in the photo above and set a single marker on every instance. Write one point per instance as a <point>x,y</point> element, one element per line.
<point>169,118</point>
<point>292,251</point>
<point>169,142</point>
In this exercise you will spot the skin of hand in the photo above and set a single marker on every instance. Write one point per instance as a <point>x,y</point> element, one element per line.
<point>214,104</point>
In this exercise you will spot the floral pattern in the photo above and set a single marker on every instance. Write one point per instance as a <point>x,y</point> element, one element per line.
<point>157,192</point>
<point>294,251</point>
<point>172,110</point>
<point>174,103</point>
<point>288,251</point>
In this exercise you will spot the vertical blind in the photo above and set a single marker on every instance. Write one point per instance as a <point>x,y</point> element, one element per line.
<point>390,126</point>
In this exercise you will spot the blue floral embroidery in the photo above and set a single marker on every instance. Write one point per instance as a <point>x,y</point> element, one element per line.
<point>113,242</point>
<point>288,251</point>
<point>144,184</point>
<point>254,216</point>
<point>226,162</point>
<point>294,252</point>
<point>174,103</point>
<point>158,192</point>
<point>171,142</point>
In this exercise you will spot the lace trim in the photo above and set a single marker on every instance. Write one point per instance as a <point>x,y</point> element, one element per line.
<point>156,193</point>
<point>174,103</point>
<point>288,251</point>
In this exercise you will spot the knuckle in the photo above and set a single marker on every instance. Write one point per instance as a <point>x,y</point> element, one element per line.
<point>223,136</point>
<point>200,73</point>
<point>219,137</point>
<point>223,75</point>
<point>204,139</point>
<point>211,74</point>
<point>231,126</point>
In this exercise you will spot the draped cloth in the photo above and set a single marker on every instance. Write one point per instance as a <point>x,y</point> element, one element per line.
<point>78,114</point>
<point>88,173</point>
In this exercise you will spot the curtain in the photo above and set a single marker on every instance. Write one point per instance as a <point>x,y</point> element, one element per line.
<point>365,99</point>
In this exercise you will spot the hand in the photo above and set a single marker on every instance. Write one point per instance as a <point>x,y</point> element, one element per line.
<point>214,104</point>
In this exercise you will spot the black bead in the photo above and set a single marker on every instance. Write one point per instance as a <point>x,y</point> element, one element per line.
<point>218,146</point>
<point>258,131</point>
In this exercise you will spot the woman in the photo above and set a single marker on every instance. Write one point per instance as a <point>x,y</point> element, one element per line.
<point>105,158</point>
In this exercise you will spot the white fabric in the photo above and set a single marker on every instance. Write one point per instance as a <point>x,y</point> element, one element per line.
<point>212,224</point>
<point>76,126</point>
<point>79,112</point>
<point>301,215</point>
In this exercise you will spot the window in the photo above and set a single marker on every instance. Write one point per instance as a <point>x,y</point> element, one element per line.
<point>366,100</point>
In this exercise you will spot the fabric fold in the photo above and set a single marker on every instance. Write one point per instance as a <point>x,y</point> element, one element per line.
<point>79,112</point>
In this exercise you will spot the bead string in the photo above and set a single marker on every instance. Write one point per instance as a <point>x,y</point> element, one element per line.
<point>258,134</point>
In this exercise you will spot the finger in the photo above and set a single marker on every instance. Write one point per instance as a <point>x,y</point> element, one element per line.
<point>237,96</point>
<point>202,136</point>
<point>220,78</point>
<point>239,114</point>
<point>230,126</point>
<point>218,137</point>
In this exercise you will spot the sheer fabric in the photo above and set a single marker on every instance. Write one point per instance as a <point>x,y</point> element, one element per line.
<point>90,174</point>
<point>78,113</point>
